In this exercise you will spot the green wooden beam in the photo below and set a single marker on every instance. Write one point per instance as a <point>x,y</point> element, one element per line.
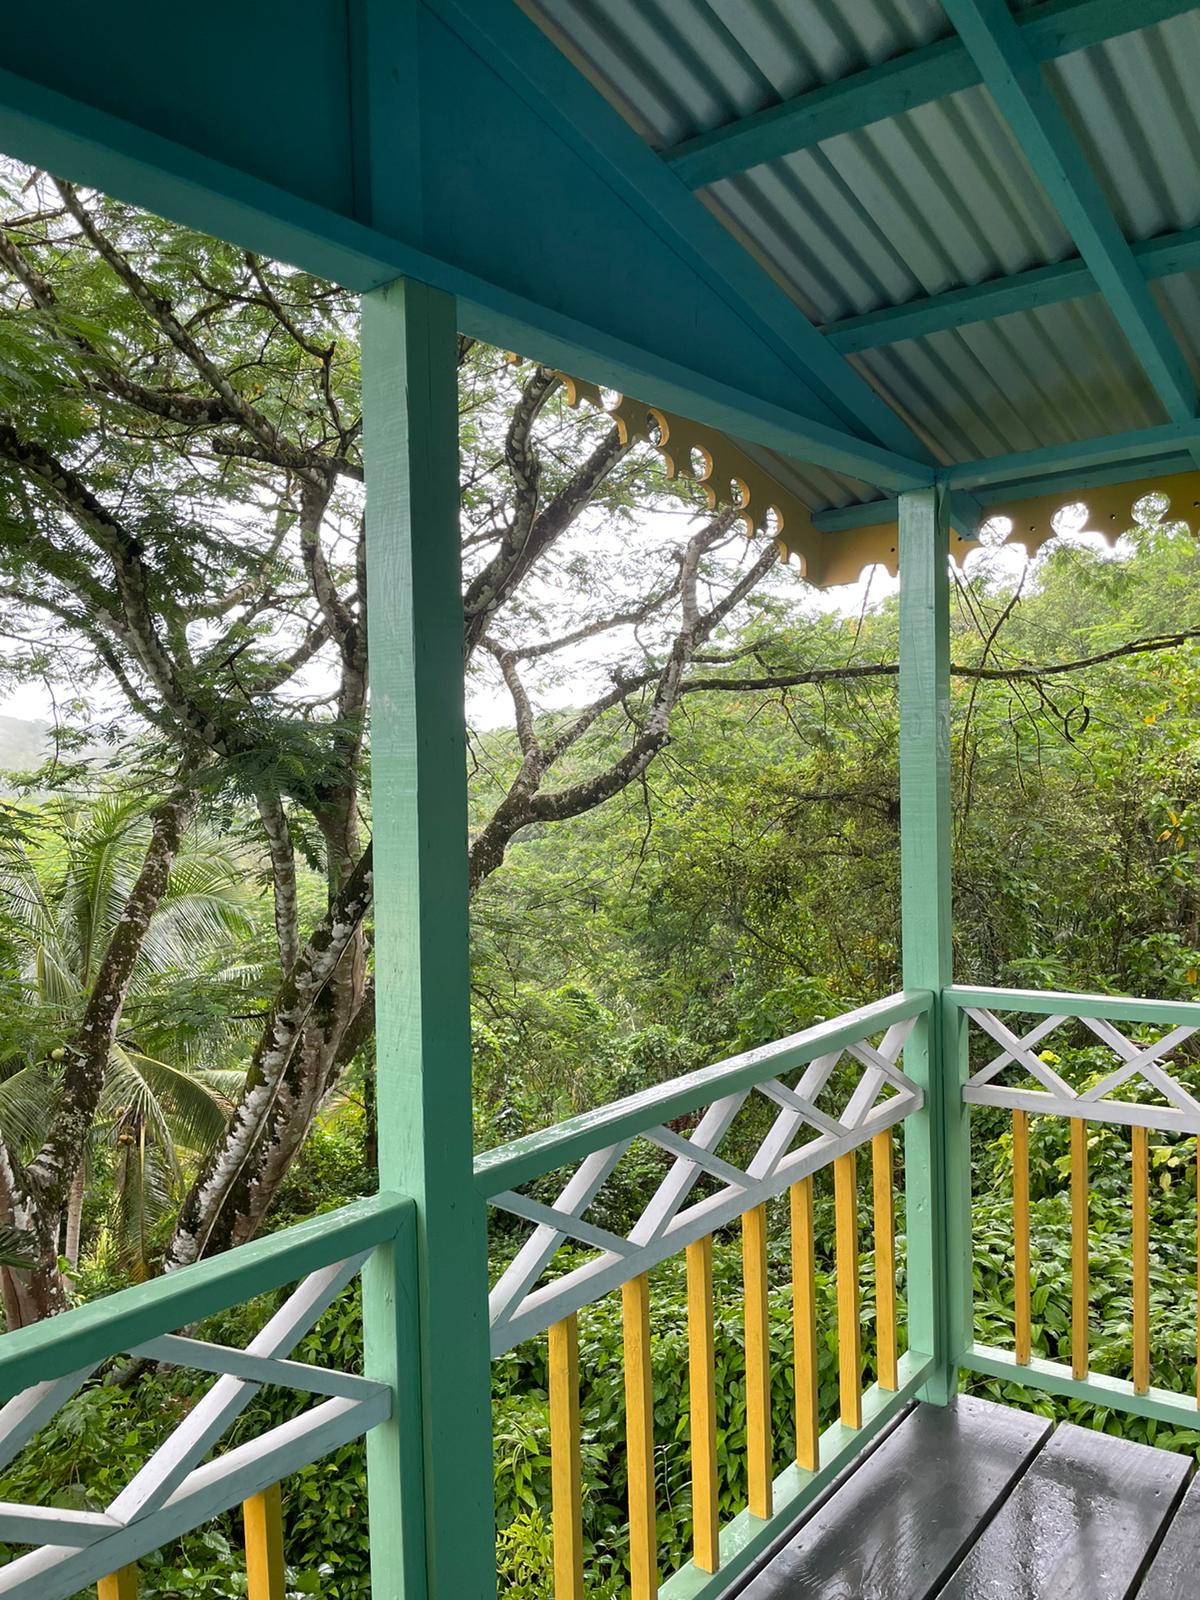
<point>892,87</point>
<point>114,1323</point>
<point>1049,1002</point>
<point>1001,297</point>
<point>1014,77</point>
<point>410,412</point>
<point>965,514</point>
<point>1029,473</point>
<point>1097,1389</point>
<point>506,224</point>
<point>936,1144</point>
<point>1147,447</point>
<point>571,112</point>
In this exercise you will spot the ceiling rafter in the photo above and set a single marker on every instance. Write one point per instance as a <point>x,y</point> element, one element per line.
<point>1015,80</point>
<point>541,73</point>
<point>927,73</point>
<point>1083,456</point>
<point>1060,468</point>
<point>1000,297</point>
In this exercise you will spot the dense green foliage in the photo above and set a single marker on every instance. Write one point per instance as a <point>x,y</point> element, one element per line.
<point>747,889</point>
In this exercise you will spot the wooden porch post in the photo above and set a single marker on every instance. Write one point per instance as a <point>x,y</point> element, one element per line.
<point>430,1469</point>
<point>937,1153</point>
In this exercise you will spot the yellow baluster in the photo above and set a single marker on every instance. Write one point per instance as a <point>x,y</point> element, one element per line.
<point>885,1258</point>
<point>804,1326</point>
<point>758,1361</point>
<point>1141,1260</point>
<point>1079,1248</point>
<point>845,1205</point>
<point>639,1439</point>
<point>122,1585</point>
<point>566,1487</point>
<point>706,1539</point>
<point>1021,1247</point>
<point>262,1520</point>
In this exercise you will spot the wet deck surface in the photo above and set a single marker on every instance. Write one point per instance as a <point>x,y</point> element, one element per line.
<point>980,1502</point>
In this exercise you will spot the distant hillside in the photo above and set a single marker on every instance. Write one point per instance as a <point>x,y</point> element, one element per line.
<point>23,744</point>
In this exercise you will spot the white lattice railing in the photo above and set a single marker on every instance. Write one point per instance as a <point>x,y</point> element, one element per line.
<point>1063,1056</point>
<point>802,1138</point>
<point>177,1488</point>
<point>1022,1056</point>
<point>708,1150</point>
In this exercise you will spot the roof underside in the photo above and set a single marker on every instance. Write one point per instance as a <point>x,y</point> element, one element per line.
<point>880,245</point>
<point>935,199</point>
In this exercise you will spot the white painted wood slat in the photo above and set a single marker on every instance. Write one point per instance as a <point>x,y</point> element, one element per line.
<point>1180,1114</point>
<point>668,1223</point>
<point>207,1421</point>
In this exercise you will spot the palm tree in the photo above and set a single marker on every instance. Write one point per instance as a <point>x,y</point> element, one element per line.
<point>64,879</point>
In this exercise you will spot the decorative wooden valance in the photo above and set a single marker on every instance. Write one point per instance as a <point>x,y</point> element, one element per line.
<point>730,477</point>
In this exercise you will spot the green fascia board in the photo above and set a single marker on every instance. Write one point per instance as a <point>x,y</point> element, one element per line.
<point>1050,1002</point>
<point>1025,100</point>
<point>1090,472</point>
<point>1148,446</point>
<point>540,217</point>
<point>1097,1389</point>
<point>102,1328</point>
<point>1001,297</point>
<point>890,88</point>
<point>508,1166</point>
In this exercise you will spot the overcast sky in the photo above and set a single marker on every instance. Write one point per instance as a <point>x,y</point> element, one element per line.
<point>489,706</point>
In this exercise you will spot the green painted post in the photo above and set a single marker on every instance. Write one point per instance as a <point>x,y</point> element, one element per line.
<point>431,1474</point>
<point>937,1149</point>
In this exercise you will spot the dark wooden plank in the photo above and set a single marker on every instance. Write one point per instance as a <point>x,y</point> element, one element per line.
<point>1081,1524</point>
<point>905,1517</point>
<point>1175,1571</point>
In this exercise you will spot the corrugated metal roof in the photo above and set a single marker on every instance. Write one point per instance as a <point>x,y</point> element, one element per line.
<point>934,199</point>
<point>676,68</point>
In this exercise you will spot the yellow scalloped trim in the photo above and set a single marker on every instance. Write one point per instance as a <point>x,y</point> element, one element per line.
<point>729,477</point>
<point>689,450</point>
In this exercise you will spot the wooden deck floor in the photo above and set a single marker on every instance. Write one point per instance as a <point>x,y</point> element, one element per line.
<point>980,1502</point>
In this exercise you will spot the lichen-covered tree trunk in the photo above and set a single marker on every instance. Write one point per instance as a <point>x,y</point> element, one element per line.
<point>288,1076</point>
<point>36,1198</point>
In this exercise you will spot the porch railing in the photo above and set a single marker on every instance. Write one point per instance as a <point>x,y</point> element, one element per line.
<point>178,1488</point>
<point>713,1149</point>
<point>1138,1082</point>
<point>816,1118</point>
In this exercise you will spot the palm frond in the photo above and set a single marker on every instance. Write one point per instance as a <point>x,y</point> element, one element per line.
<point>17,1248</point>
<point>26,1101</point>
<point>181,1107</point>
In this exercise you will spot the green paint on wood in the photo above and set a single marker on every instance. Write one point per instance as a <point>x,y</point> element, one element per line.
<point>745,1538</point>
<point>509,1166</point>
<point>1050,1002</point>
<point>119,1321</point>
<point>1000,297</point>
<point>410,411</point>
<point>1097,1389</point>
<point>891,88</point>
<point>1015,80</point>
<point>937,1152</point>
